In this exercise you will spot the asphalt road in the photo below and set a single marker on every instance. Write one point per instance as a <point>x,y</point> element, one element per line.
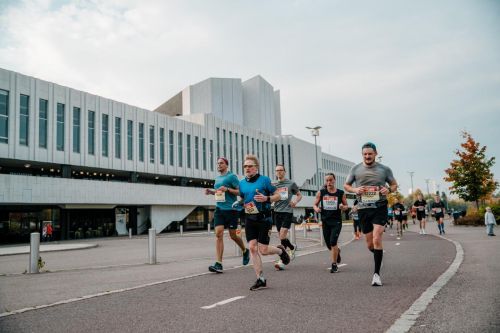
<point>304,298</point>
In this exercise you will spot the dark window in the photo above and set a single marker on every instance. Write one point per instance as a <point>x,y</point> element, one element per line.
<point>91,130</point>
<point>118,137</point>
<point>42,123</point>
<point>105,135</point>
<point>162,145</point>
<point>151,144</point>
<point>4,116</point>
<point>237,163</point>
<point>204,149</point>
<point>171,147</point>
<point>289,161</point>
<point>76,129</point>
<point>230,150</point>
<point>217,133</point>
<point>24,121</point>
<point>188,149</point>
<point>211,158</point>
<point>60,127</point>
<point>224,143</point>
<point>179,148</point>
<point>141,142</point>
<point>196,152</point>
<point>130,140</point>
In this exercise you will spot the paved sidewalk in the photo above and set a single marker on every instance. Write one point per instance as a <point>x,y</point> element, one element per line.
<point>22,249</point>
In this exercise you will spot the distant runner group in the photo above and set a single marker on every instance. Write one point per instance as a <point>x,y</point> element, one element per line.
<point>369,180</point>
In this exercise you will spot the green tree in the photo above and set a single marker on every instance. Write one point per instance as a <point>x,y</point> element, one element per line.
<point>470,174</point>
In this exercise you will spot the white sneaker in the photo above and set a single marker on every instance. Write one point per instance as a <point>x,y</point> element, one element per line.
<point>423,232</point>
<point>376,280</point>
<point>279,265</point>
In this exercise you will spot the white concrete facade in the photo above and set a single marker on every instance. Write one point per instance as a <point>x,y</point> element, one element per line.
<point>231,116</point>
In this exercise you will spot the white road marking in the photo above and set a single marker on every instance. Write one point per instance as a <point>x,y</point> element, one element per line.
<point>229,300</point>
<point>410,316</point>
<point>398,243</point>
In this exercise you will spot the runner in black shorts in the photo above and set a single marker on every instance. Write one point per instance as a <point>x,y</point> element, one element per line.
<point>283,210</point>
<point>257,193</point>
<point>225,192</point>
<point>398,209</point>
<point>419,205</point>
<point>329,202</point>
<point>371,178</point>
<point>438,209</point>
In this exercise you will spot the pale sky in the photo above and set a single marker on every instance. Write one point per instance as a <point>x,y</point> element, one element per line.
<point>406,75</point>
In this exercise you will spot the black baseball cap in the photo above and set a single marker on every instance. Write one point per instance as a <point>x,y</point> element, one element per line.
<point>369,145</point>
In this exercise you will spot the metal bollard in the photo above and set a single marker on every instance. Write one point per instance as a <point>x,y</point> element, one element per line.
<point>152,246</point>
<point>130,233</point>
<point>292,236</point>
<point>320,228</point>
<point>304,225</point>
<point>181,227</point>
<point>208,229</point>
<point>34,252</point>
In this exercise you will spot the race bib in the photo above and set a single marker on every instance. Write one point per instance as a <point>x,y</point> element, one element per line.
<point>397,212</point>
<point>250,208</point>
<point>371,195</point>
<point>438,210</point>
<point>220,196</point>
<point>330,203</point>
<point>405,212</point>
<point>421,208</point>
<point>283,191</point>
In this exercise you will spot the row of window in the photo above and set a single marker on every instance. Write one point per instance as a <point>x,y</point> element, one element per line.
<point>253,146</point>
<point>332,165</point>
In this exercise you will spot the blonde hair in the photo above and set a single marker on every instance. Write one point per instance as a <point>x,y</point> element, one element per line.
<point>253,158</point>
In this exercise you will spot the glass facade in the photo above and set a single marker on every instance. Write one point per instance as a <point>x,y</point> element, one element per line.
<point>43,108</point>
<point>60,127</point>
<point>24,120</point>
<point>76,130</point>
<point>204,150</point>
<point>151,144</point>
<point>171,147</point>
<point>4,116</point>
<point>141,142</point>
<point>91,132</point>
<point>118,137</point>
<point>188,150</point>
<point>105,135</point>
<point>130,140</point>
<point>162,145</point>
<point>196,152</point>
<point>179,148</point>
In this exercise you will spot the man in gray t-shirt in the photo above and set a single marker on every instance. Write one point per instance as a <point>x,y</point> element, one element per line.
<point>371,179</point>
<point>283,209</point>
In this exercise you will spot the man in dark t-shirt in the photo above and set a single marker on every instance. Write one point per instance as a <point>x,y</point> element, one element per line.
<point>438,209</point>
<point>419,205</point>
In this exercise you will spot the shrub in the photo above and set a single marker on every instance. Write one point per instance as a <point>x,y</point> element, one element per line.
<point>473,219</point>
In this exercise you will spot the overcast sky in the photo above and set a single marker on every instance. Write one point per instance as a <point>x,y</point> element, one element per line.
<point>406,75</point>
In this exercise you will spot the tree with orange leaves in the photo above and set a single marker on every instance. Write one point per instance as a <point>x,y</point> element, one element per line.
<point>470,174</point>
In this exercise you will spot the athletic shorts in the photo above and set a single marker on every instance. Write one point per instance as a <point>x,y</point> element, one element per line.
<point>331,232</point>
<point>227,218</point>
<point>439,216</point>
<point>259,229</point>
<point>370,216</point>
<point>283,220</point>
<point>399,218</point>
<point>420,216</point>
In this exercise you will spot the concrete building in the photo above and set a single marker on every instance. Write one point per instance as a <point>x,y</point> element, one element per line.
<point>91,166</point>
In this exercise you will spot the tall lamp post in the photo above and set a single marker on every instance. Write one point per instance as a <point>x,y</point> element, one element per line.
<point>427,182</point>
<point>315,133</point>
<point>411,177</point>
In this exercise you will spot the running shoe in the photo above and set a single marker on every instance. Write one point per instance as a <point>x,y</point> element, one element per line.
<point>246,257</point>
<point>284,255</point>
<point>216,268</point>
<point>279,265</point>
<point>291,253</point>
<point>334,268</point>
<point>259,284</point>
<point>423,232</point>
<point>338,258</point>
<point>376,280</point>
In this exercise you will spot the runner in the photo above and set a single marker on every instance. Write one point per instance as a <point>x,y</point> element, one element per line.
<point>405,218</point>
<point>257,193</point>
<point>283,210</point>
<point>419,205</point>
<point>371,178</point>
<point>398,209</point>
<point>390,217</point>
<point>355,220</point>
<point>413,214</point>
<point>226,188</point>
<point>438,209</point>
<point>332,201</point>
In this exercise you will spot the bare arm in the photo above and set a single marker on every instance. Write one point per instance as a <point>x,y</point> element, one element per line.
<point>298,197</point>
<point>316,202</point>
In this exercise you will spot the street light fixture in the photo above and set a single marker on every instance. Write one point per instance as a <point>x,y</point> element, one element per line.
<point>411,177</point>
<point>315,133</point>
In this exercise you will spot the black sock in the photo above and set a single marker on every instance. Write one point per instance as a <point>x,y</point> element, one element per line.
<point>377,256</point>
<point>289,244</point>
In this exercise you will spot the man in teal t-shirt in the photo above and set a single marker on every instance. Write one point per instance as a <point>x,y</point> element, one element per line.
<point>226,188</point>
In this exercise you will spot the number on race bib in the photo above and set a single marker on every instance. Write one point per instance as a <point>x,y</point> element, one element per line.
<point>330,203</point>
<point>371,195</point>
<point>250,208</point>
<point>283,191</point>
<point>220,196</point>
